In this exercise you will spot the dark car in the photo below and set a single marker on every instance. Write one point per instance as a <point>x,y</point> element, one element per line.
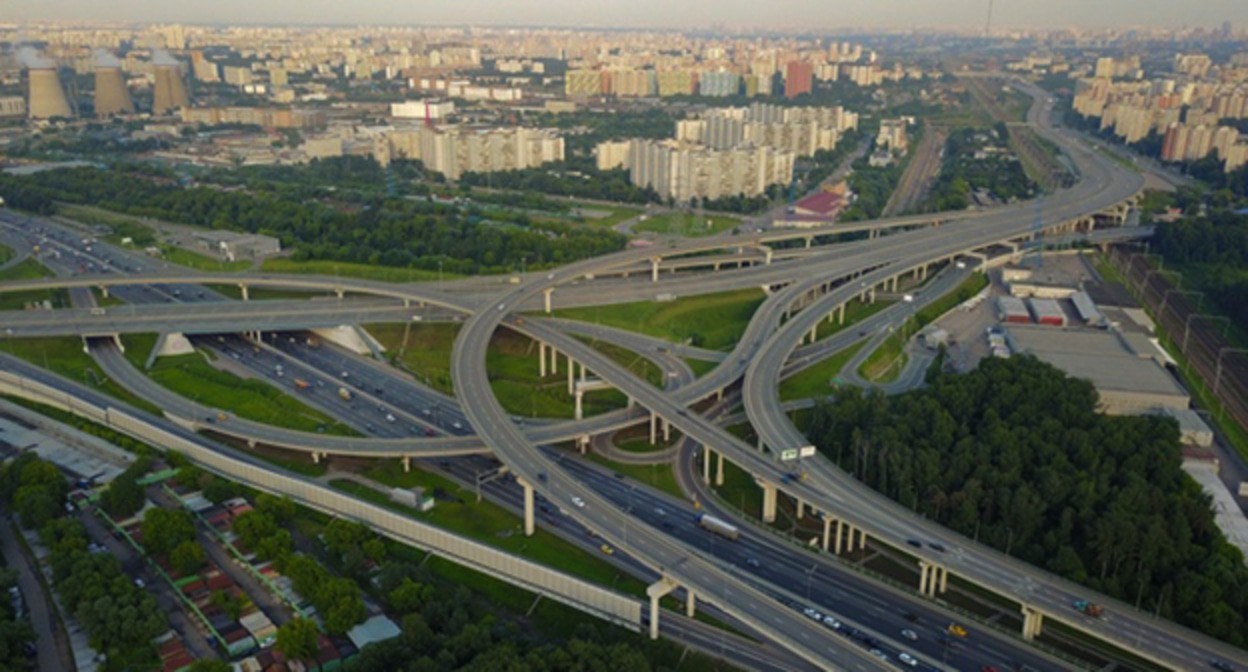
<point>915,543</point>
<point>1220,665</point>
<point>935,546</point>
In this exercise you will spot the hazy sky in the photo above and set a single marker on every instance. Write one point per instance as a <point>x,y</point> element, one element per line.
<point>674,13</point>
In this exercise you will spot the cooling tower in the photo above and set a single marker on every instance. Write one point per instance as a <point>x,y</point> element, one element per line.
<point>47,98</point>
<point>111,95</point>
<point>169,93</point>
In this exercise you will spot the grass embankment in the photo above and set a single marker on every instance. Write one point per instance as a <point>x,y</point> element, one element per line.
<point>714,321</point>
<point>424,350</point>
<point>194,378</point>
<point>855,312</point>
<point>353,270</point>
<point>687,224</point>
<point>457,510</point>
<point>818,380</point>
<point>30,270</point>
<point>6,253</point>
<point>201,262</point>
<point>700,367</point>
<point>123,226</point>
<point>615,214</point>
<point>63,355</point>
<point>658,476</point>
<point>635,363</point>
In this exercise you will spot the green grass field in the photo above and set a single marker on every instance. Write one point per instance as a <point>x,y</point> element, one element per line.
<point>200,262</point>
<point>30,270</point>
<point>689,225</point>
<point>817,381</point>
<point>194,378</point>
<point>123,226</point>
<point>353,270</point>
<point>619,213</point>
<point>6,253</point>
<point>424,349</point>
<point>700,367</point>
<point>638,365</point>
<point>513,368</point>
<point>64,355</point>
<point>886,362</point>
<point>714,321</point>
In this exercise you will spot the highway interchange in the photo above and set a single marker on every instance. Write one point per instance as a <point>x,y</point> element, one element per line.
<point>717,574</point>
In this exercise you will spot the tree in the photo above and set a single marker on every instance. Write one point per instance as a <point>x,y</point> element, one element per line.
<point>297,639</point>
<point>409,596</point>
<point>187,557</point>
<point>165,529</point>
<point>123,498</point>
<point>218,490</point>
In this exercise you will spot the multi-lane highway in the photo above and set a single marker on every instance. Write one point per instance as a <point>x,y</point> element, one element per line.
<point>806,290</point>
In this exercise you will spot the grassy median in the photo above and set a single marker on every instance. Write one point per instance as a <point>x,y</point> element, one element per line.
<point>714,321</point>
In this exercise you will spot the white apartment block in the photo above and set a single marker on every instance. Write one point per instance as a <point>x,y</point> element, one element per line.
<point>455,150</point>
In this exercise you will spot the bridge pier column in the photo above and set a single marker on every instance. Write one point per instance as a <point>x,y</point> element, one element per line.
<point>850,537</point>
<point>809,241</point>
<point>571,374</point>
<point>583,442</point>
<point>104,291</point>
<point>654,268</point>
<point>769,255</point>
<point>528,507</point>
<point>246,294</point>
<point>655,592</point>
<point>691,602</point>
<point>871,294</point>
<point>580,405</point>
<point>814,333</point>
<point>706,464</point>
<point>667,430</point>
<point>944,579</point>
<point>541,359</point>
<point>801,508</point>
<point>407,463</point>
<point>316,457</point>
<point>653,429</point>
<point>924,576</point>
<point>827,532</point>
<point>840,314</point>
<point>837,539</point>
<point>340,292</point>
<point>719,468</point>
<point>546,294</point>
<point>769,502</point>
<point>1033,623</point>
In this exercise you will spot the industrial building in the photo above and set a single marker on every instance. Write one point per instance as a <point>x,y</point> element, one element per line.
<point>1129,383</point>
<point>1047,312</point>
<point>47,96</point>
<point>169,91</point>
<point>233,246</point>
<point>111,95</point>
<point>1012,310</point>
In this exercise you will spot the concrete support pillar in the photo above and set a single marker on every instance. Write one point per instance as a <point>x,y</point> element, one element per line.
<point>340,292</point>
<point>1033,623</point>
<point>407,463</point>
<point>554,361</point>
<point>571,374</point>
<point>809,241</point>
<point>924,572</point>
<point>541,359</point>
<point>583,443</point>
<point>826,539</point>
<point>840,314</point>
<point>667,430</point>
<point>690,603</point>
<point>871,294</point>
<point>546,294</point>
<point>837,538</point>
<point>862,540</point>
<point>584,373</point>
<point>706,464</point>
<point>246,294</point>
<point>814,333</point>
<point>769,254</point>
<point>769,502</point>
<point>655,592</point>
<point>580,404</point>
<point>719,469</point>
<point>801,508</point>
<point>316,457</point>
<point>654,268</point>
<point>104,291</point>
<point>944,579</point>
<point>653,431</point>
<point>528,507</point>
<point>850,538</point>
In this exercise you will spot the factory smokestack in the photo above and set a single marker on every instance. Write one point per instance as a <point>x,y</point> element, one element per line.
<point>169,94</point>
<point>111,95</point>
<point>47,96</point>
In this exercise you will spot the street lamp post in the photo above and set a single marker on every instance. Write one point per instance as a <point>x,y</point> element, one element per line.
<point>1217,376</point>
<point>1165,299</point>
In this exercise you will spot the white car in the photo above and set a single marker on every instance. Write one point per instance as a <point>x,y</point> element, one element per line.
<point>831,622</point>
<point>907,659</point>
<point>813,614</point>
<point>580,503</point>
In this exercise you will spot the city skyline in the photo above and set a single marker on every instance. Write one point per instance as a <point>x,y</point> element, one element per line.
<point>948,14</point>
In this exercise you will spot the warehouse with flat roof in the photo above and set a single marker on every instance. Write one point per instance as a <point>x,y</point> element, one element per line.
<point>1129,383</point>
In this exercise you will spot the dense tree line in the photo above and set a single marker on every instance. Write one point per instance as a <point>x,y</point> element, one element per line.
<point>446,626</point>
<point>1214,251</point>
<point>118,617</point>
<point>961,173</point>
<point>16,633</point>
<point>1015,455</point>
<point>389,232</point>
<point>872,188</point>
